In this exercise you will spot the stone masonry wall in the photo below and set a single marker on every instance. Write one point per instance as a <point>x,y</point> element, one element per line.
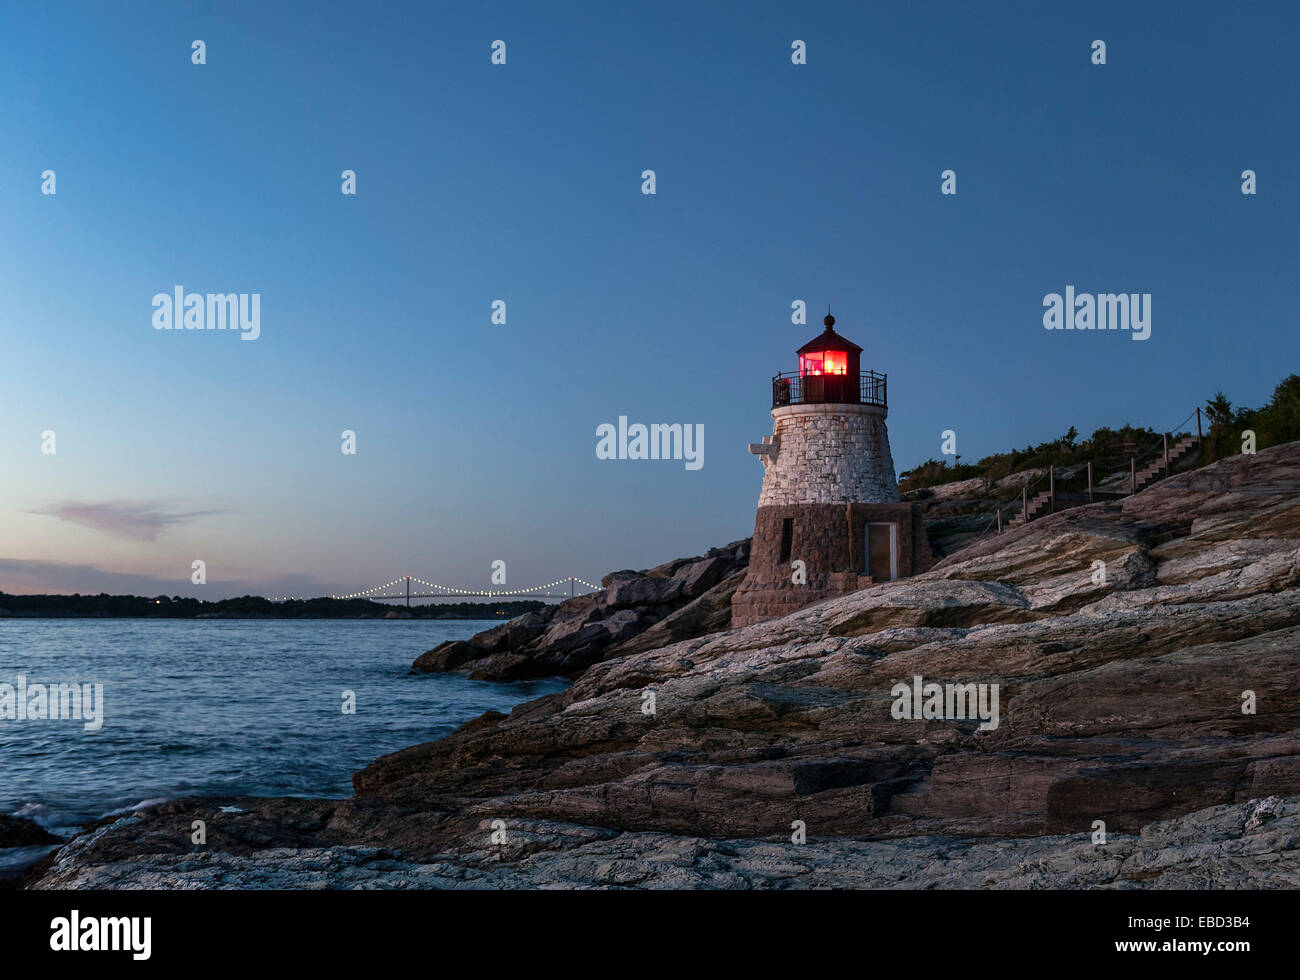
<point>828,539</point>
<point>828,454</point>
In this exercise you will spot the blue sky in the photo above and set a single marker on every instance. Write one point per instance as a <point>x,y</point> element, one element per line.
<point>522,182</point>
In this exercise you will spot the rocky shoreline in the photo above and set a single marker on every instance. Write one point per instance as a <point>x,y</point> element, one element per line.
<point>22,844</point>
<point>1254,845</point>
<point>1146,651</point>
<point>632,612</point>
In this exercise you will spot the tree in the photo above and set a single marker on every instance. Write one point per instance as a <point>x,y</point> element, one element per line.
<point>1219,410</point>
<point>1279,420</point>
<point>1222,438</point>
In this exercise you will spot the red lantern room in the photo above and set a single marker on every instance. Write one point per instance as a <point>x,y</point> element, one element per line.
<point>829,354</point>
<point>829,371</point>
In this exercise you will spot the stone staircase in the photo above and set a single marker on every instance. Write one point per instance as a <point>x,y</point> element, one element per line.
<point>846,582</point>
<point>1041,502</point>
<point>1149,475</point>
<point>1038,503</point>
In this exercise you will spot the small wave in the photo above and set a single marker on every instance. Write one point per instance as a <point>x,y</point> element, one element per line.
<point>142,805</point>
<point>57,822</point>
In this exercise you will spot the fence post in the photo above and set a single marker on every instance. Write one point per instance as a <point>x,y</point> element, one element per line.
<point>1198,426</point>
<point>408,592</point>
<point>999,520</point>
<point>1089,481</point>
<point>1166,438</point>
<point>1051,488</point>
<point>1024,502</point>
<point>1132,475</point>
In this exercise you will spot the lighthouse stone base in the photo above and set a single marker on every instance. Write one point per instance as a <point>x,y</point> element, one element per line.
<point>830,541</point>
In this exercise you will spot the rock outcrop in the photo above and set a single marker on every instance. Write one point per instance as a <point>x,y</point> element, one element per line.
<point>1146,657</point>
<point>1220,847</point>
<point>1125,638</point>
<point>677,600</point>
<point>22,844</point>
<point>17,832</point>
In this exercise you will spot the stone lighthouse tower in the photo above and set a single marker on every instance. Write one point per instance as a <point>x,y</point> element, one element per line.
<point>829,519</point>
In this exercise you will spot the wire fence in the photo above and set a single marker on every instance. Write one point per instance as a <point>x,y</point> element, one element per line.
<point>1020,502</point>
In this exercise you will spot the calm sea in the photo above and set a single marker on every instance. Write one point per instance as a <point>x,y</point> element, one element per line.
<point>225,707</point>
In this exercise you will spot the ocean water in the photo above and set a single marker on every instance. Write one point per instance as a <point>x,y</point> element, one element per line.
<point>225,707</point>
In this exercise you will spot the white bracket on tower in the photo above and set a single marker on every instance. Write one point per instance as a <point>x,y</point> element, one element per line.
<point>766,450</point>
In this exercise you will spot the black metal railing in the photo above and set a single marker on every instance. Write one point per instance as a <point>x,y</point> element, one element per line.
<point>868,388</point>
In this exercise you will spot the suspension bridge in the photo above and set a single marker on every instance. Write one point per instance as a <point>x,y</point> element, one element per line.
<point>400,588</point>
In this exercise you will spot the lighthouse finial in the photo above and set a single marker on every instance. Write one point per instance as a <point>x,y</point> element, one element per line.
<point>830,320</point>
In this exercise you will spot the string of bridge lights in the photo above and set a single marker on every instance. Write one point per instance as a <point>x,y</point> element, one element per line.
<point>492,593</point>
<point>501,592</point>
<point>370,592</point>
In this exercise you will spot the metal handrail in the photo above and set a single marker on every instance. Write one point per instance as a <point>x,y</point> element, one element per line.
<point>1031,485</point>
<point>811,389</point>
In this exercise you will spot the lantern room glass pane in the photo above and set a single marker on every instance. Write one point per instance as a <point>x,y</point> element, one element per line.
<point>824,362</point>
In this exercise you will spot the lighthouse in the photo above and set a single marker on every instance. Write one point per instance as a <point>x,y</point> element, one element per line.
<point>829,519</point>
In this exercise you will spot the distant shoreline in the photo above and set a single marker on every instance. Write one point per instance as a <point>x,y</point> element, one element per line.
<point>246,607</point>
<point>46,617</point>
